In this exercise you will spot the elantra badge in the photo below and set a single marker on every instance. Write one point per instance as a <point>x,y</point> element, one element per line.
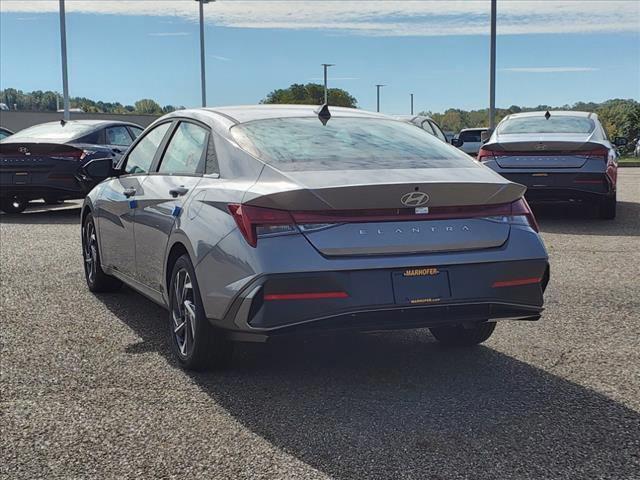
<point>414,199</point>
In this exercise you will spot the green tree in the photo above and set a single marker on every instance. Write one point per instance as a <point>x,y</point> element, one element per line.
<point>148,106</point>
<point>310,94</point>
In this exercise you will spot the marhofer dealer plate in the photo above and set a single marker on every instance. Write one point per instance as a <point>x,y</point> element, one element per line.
<point>421,285</point>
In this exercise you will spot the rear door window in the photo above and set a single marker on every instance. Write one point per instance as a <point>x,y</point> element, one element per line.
<point>186,150</point>
<point>439,133</point>
<point>426,126</point>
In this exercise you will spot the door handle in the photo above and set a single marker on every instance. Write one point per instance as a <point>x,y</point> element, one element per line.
<point>178,191</point>
<point>129,192</point>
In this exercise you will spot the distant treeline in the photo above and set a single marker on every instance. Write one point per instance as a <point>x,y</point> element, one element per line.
<point>49,101</point>
<point>618,116</point>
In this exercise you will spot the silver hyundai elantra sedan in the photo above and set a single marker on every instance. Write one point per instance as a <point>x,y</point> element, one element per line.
<point>251,222</point>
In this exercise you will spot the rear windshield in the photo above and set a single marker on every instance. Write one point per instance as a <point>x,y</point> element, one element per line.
<point>557,124</point>
<point>54,131</point>
<point>304,144</point>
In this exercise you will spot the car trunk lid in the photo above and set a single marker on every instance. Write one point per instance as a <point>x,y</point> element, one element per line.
<point>543,151</point>
<point>342,216</point>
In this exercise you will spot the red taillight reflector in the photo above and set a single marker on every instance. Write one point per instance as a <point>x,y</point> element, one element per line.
<point>516,283</point>
<point>305,296</point>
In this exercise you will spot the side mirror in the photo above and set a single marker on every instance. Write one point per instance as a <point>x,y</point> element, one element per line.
<point>620,141</point>
<point>457,142</point>
<point>485,135</point>
<point>99,169</point>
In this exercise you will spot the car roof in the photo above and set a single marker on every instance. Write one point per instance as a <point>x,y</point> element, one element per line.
<point>411,118</point>
<point>473,129</point>
<point>95,123</point>
<point>555,113</point>
<point>248,113</point>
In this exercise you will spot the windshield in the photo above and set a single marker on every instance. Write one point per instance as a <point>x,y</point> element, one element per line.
<point>557,124</point>
<point>304,144</point>
<point>54,131</point>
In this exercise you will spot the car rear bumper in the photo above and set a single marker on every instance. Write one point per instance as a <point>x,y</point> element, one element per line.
<point>369,299</point>
<point>32,185</point>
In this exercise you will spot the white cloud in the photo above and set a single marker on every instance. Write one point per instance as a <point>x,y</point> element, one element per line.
<point>376,18</point>
<point>549,69</point>
<point>221,58</point>
<point>169,34</point>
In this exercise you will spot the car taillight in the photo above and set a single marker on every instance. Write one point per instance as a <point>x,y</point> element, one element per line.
<point>72,154</point>
<point>521,209</point>
<point>602,153</point>
<point>254,221</point>
<point>485,154</point>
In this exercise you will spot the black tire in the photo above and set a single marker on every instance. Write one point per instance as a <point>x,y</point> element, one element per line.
<point>461,336</point>
<point>196,344</point>
<point>607,207</point>
<point>53,201</point>
<point>13,204</point>
<point>97,280</point>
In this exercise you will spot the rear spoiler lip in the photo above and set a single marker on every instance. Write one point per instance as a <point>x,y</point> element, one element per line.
<point>553,146</point>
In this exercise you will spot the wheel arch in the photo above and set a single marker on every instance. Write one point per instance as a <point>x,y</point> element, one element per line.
<point>177,250</point>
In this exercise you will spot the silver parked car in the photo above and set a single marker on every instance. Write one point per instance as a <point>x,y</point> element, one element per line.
<point>428,124</point>
<point>558,156</point>
<point>257,221</point>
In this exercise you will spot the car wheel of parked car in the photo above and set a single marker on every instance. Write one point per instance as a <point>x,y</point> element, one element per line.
<point>608,207</point>
<point>97,280</point>
<point>463,336</point>
<point>195,342</point>
<point>13,205</point>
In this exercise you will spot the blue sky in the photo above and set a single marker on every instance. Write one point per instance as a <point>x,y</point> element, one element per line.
<point>551,52</point>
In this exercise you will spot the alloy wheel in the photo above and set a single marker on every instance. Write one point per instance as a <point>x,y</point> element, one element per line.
<point>90,251</point>
<point>184,312</point>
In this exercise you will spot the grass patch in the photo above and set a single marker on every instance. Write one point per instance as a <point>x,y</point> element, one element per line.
<point>629,161</point>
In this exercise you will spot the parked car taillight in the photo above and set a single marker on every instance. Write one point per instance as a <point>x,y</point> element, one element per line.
<point>485,154</point>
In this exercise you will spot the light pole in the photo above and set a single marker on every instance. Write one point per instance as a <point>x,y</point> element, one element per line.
<point>326,92</point>
<point>203,82</point>
<point>63,48</point>
<point>378,87</point>
<point>492,72</point>
<point>411,103</point>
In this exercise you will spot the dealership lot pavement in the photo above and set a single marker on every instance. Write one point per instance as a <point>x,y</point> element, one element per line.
<point>89,389</point>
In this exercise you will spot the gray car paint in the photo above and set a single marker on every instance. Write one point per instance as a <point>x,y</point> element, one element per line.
<point>136,241</point>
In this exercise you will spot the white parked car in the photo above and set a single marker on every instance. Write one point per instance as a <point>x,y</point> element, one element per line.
<point>469,140</point>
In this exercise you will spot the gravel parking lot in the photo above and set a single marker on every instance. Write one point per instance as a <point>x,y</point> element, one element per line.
<point>89,389</point>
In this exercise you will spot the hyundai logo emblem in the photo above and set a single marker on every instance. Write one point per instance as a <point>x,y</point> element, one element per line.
<point>414,199</point>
